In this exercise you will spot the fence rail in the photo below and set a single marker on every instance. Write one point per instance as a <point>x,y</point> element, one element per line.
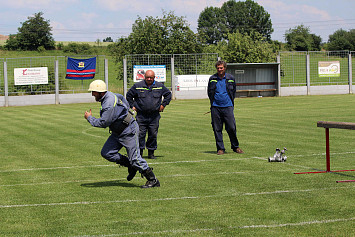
<point>57,84</point>
<point>50,62</point>
<point>176,64</point>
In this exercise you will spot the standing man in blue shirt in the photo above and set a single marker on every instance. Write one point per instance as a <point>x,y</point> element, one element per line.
<point>221,92</point>
<point>149,98</point>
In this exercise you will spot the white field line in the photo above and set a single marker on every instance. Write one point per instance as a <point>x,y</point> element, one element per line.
<point>184,231</point>
<point>169,198</point>
<point>155,163</point>
<point>124,179</point>
<point>85,132</point>
<point>174,162</point>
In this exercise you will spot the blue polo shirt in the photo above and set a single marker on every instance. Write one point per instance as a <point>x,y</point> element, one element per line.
<point>221,98</point>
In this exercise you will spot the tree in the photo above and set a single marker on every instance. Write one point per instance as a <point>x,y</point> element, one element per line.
<point>300,39</point>
<point>342,40</point>
<point>167,35</point>
<point>108,39</point>
<point>33,33</point>
<point>245,48</point>
<point>211,26</point>
<point>244,17</point>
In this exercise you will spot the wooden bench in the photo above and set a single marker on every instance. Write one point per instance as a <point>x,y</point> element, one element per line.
<point>249,91</point>
<point>327,125</point>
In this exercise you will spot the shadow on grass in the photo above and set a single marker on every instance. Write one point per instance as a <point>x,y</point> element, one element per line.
<point>108,184</point>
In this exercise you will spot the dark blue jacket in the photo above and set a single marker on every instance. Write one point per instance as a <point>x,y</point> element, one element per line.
<point>148,100</point>
<point>230,84</point>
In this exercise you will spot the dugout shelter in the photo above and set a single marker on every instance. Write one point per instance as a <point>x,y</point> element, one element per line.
<point>256,79</point>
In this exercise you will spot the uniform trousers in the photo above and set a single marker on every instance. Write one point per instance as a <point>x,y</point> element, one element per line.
<point>220,116</point>
<point>148,123</point>
<point>128,139</point>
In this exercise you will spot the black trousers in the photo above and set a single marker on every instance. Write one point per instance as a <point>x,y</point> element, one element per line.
<point>220,116</point>
<point>148,123</point>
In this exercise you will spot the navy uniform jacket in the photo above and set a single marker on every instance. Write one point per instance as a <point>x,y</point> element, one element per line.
<point>230,84</point>
<point>148,100</point>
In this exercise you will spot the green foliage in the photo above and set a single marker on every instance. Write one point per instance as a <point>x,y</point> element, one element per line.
<point>244,16</point>
<point>167,35</point>
<point>342,40</point>
<point>300,39</point>
<point>245,48</point>
<point>211,26</point>
<point>76,48</point>
<point>60,46</point>
<point>107,39</point>
<point>33,33</point>
<point>41,49</point>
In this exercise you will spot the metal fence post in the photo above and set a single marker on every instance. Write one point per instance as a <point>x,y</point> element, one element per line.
<point>56,82</point>
<point>6,86</point>
<point>172,78</point>
<point>124,77</point>
<point>308,74</point>
<point>350,75</point>
<point>106,72</point>
<point>278,58</point>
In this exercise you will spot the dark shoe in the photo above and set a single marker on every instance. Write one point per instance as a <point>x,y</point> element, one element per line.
<point>220,152</point>
<point>131,173</point>
<point>124,161</point>
<point>141,150</point>
<point>238,150</point>
<point>151,154</point>
<point>152,181</point>
<point>151,184</point>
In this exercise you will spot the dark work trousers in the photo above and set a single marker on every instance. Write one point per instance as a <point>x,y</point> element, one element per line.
<point>148,123</point>
<point>220,116</point>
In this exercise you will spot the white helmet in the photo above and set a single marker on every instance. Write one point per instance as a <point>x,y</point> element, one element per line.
<point>98,85</point>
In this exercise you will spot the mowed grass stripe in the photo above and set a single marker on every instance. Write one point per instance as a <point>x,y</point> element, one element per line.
<point>42,139</point>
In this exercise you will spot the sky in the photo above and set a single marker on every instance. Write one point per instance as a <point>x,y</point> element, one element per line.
<point>89,20</point>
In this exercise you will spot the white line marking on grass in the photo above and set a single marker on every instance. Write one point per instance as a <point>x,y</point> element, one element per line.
<point>230,227</point>
<point>85,132</point>
<point>174,162</point>
<point>168,198</point>
<point>123,179</point>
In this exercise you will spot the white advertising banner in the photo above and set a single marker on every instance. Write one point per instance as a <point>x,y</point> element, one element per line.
<point>31,76</point>
<point>139,71</point>
<point>329,69</point>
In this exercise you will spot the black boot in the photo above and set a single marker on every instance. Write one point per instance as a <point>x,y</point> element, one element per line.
<point>152,181</point>
<point>124,161</point>
<point>141,150</point>
<point>151,154</point>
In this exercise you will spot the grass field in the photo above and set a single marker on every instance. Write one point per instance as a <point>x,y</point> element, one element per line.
<point>54,182</point>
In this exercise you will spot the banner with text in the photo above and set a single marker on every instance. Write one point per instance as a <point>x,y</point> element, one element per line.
<point>329,69</point>
<point>31,76</point>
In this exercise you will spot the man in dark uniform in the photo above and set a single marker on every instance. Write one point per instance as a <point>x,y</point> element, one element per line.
<point>115,114</point>
<point>146,97</point>
<point>221,92</point>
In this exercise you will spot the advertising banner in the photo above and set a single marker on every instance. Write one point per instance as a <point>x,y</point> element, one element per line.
<point>329,69</point>
<point>31,76</point>
<point>139,71</point>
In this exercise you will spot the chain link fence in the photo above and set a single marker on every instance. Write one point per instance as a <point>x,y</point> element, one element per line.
<point>293,68</point>
<point>181,64</point>
<point>65,85</point>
